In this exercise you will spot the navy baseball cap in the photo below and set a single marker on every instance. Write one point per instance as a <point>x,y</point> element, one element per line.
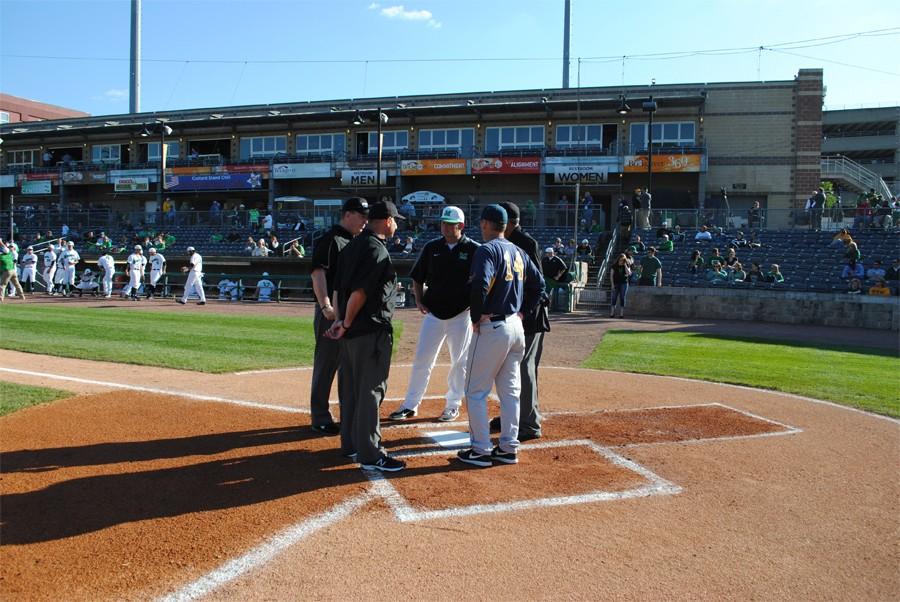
<point>384,210</point>
<point>512,210</point>
<point>358,204</point>
<point>494,213</point>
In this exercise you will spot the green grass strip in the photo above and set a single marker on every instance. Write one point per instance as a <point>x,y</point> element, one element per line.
<point>199,341</point>
<point>858,377</point>
<point>15,397</point>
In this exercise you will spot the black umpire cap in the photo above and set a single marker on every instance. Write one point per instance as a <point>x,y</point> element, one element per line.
<point>358,204</point>
<point>384,210</point>
<point>512,210</point>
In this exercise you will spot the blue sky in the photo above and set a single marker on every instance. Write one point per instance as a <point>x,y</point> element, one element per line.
<point>186,32</point>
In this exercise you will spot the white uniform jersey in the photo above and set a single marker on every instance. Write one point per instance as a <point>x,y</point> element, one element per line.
<point>70,257</point>
<point>157,261</point>
<point>196,262</point>
<point>264,289</point>
<point>136,263</point>
<point>61,259</point>
<point>49,258</point>
<point>29,259</point>
<point>107,263</point>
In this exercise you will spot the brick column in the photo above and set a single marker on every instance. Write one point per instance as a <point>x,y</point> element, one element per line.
<point>807,143</point>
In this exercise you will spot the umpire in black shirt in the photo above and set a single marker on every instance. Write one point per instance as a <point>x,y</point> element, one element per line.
<point>354,214</point>
<point>535,325</point>
<point>364,290</point>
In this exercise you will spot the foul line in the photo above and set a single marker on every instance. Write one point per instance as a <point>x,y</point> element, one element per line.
<point>103,383</point>
<point>268,550</point>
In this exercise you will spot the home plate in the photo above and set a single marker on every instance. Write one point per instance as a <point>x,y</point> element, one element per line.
<point>450,439</point>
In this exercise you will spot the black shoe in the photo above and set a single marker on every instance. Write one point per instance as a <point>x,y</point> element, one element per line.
<point>402,414</point>
<point>495,425</point>
<point>385,464</point>
<point>470,456</point>
<point>332,428</point>
<point>505,457</point>
<point>529,436</point>
<point>179,301</point>
<point>350,456</point>
<point>201,302</point>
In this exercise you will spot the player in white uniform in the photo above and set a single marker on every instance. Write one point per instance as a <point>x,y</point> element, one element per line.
<point>137,263</point>
<point>228,289</point>
<point>28,262</point>
<point>157,269</point>
<point>70,260</point>
<point>88,283</point>
<point>60,276</point>
<point>194,283</point>
<point>264,289</point>
<point>49,268</point>
<point>108,265</point>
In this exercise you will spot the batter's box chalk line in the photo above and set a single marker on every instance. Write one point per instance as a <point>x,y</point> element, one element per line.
<point>405,512</point>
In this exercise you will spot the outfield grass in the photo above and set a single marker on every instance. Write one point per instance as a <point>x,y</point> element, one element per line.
<point>15,397</point>
<point>863,378</point>
<point>205,342</point>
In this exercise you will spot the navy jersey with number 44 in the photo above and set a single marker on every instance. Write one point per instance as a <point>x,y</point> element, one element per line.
<point>504,280</point>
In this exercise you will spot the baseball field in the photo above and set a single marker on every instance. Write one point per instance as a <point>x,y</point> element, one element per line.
<point>153,451</point>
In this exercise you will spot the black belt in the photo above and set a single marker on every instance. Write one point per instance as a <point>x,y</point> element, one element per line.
<point>499,318</point>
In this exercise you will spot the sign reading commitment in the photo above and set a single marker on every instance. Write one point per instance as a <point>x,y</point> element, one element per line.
<point>664,163</point>
<point>433,167</point>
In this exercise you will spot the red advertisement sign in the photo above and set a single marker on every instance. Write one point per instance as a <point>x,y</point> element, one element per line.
<point>506,165</point>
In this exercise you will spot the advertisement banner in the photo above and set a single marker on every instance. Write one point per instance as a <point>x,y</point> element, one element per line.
<point>83,177</point>
<point>255,168</point>
<point>133,173</point>
<point>506,165</point>
<point>8,181</point>
<point>37,187</point>
<point>664,163</point>
<point>224,181</point>
<point>188,171</point>
<point>287,171</point>
<point>132,184</point>
<point>433,167</point>
<point>53,177</point>
<point>362,177</point>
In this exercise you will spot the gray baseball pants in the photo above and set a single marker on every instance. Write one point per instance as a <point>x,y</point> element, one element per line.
<point>366,360</point>
<point>325,363</point>
<point>529,412</point>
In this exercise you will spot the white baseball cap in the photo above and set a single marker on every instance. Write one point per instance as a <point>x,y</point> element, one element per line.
<point>190,249</point>
<point>265,273</point>
<point>453,215</point>
<point>584,241</point>
<point>70,244</point>
<point>151,250</point>
<point>137,247</point>
<point>548,250</point>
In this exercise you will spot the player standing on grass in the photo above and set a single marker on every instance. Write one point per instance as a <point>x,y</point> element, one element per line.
<point>505,285</point>
<point>194,282</point>
<point>326,253</point>
<point>441,283</point>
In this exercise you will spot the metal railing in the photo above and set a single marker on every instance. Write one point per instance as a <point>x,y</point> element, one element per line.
<point>854,174</point>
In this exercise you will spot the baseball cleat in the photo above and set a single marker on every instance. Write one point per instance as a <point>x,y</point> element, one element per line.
<point>402,414</point>
<point>449,415</point>
<point>506,457</point>
<point>180,301</point>
<point>385,464</point>
<point>327,429</point>
<point>529,436</point>
<point>201,302</point>
<point>470,456</point>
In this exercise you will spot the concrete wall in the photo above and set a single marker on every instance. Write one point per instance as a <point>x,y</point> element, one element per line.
<point>825,309</point>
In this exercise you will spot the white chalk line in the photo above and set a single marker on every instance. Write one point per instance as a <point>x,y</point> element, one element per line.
<point>238,402</point>
<point>304,369</point>
<point>404,512</point>
<point>268,550</point>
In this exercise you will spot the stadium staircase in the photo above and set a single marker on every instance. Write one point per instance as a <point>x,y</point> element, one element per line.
<point>854,176</point>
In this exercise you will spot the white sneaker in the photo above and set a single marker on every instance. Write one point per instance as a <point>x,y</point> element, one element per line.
<point>449,415</point>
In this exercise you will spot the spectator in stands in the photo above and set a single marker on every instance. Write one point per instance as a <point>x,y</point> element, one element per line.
<point>250,247</point>
<point>47,158</point>
<point>774,274</point>
<point>853,253</point>
<point>715,257</point>
<point>409,246</point>
<point>554,268</point>
<point>853,269</point>
<point>273,243</point>
<point>584,252</point>
<point>756,274</point>
<point>637,245</point>
<point>215,212</point>
<point>262,249</point>
<point>715,273</point>
<point>731,257</point>
<point>558,247</point>
<point>855,287</point>
<point>619,275</point>
<point>666,245</point>
<point>815,206</point>
<point>569,251</point>
<point>268,222</point>
<point>228,289</point>
<point>754,216</point>
<point>893,272</point>
<point>397,245</point>
<point>703,235</point>
<point>296,249</point>
<point>264,289</point>
<point>629,259</point>
<point>880,288</point>
<point>651,269</point>
<point>738,241</point>
<point>64,230</point>
<point>876,272</point>
<point>736,273</point>
<point>863,214</point>
<point>883,217</point>
<point>841,239</point>
<point>253,218</point>
<point>696,261</point>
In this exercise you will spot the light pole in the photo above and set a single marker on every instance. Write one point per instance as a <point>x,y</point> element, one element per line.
<point>382,119</point>
<point>649,106</point>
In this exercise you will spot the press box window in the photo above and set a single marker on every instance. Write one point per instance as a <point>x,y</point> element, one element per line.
<point>106,153</point>
<point>263,146</point>
<point>21,157</point>
<point>320,144</point>
<point>462,140</point>
<point>664,134</point>
<point>153,151</point>
<point>518,137</point>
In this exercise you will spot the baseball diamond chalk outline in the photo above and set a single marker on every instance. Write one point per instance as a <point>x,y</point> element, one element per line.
<point>405,513</point>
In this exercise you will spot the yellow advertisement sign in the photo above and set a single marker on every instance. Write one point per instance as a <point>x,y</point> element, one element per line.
<point>433,167</point>
<point>663,163</point>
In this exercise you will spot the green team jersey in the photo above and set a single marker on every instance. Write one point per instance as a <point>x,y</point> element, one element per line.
<point>7,262</point>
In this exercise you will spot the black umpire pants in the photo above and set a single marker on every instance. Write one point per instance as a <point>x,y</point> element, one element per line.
<point>529,413</point>
<point>366,360</point>
<point>325,363</point>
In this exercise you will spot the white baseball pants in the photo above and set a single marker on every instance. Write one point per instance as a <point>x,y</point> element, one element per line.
<point>69,276</point>
<point>106,287</point>
<point>134,283</point>
<point>494,358</point>
<point>457,331</point>
<point>194,284</point>
<point>155,275</point>
<point>27,274</point>
<point>49,273</point>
